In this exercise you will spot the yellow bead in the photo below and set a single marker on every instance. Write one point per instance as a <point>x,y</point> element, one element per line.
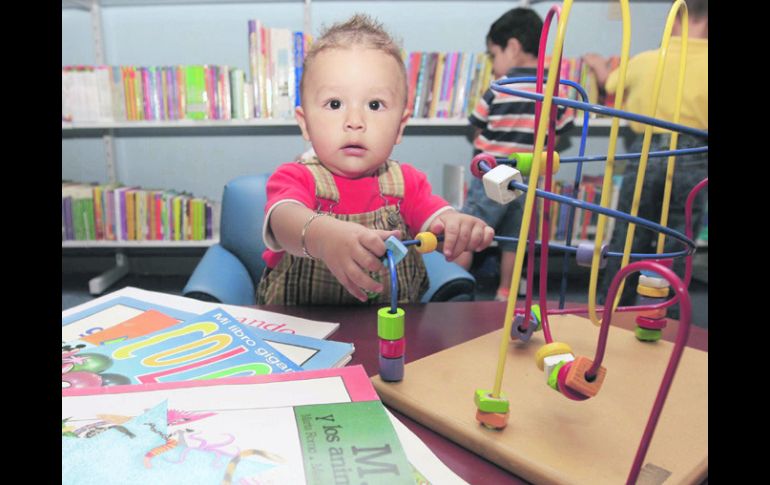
<point>428,242</point>
<point>652,292</point>
<point>554,348</point>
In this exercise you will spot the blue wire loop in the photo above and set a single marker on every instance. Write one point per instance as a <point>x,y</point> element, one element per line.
<point>594,108</point>
<point>573,201</point>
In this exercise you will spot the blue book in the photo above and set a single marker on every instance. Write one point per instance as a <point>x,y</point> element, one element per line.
<point>304,351</point>
<point>209,346</point>
<point>309,352</point>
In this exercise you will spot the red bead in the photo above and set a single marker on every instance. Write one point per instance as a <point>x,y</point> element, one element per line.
<point>486,157</point>
<point>392,348</point>
<point>651,323</point>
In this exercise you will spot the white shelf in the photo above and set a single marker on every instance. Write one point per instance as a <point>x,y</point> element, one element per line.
<point>138,244</point>
<point>256,122</point>
<point>262,122</point>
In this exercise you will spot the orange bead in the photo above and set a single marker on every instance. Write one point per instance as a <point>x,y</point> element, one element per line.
<point>576,377</point>
<point>659,313</point>
<point>492,420</point>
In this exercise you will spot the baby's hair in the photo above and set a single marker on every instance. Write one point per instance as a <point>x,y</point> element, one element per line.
<point>359,31</point>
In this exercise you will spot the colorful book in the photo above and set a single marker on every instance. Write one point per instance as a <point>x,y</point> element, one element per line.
<point>209,346</point>
<point>121,317</point>
<point>197,100</point>
<point>314,427</point>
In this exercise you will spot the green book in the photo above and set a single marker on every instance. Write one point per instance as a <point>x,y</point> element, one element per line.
<point>196,98</point>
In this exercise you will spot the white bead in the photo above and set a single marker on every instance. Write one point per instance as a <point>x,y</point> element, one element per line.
<point>653,282</point>
<point>496,183</point>
<point>552,360</point>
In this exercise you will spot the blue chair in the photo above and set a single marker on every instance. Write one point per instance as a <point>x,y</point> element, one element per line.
<point>229,271</point>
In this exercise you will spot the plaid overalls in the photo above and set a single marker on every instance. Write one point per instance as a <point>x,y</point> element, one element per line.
<point>303,281</point>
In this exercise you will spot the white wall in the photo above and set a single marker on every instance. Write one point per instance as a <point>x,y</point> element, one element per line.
<point>217,34</point>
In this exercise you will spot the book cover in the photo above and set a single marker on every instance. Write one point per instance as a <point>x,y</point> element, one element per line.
<point>196,100</point>
<point>127,317</point>
<point>314,427</point>
<point>281,44</point>
<point>299,58</point>
<point>209,346</point>
<point>141,300</point>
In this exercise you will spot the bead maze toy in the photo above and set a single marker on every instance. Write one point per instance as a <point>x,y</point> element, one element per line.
<point>576,377</point>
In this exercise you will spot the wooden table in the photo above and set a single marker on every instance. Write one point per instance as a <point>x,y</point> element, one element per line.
<point>433,327</point>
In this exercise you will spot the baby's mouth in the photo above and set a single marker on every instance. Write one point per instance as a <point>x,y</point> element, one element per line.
<point>353,149</point>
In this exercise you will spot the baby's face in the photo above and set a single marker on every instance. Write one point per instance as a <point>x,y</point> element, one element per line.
<point>353,109</point>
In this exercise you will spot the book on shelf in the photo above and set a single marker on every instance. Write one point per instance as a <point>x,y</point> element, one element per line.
<point>110,212</point>
<point>143,300</point>
<point>209,346</point>
<point>313,427</point>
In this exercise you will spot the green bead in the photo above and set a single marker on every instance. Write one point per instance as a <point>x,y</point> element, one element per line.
<point>390,326</point>
<point>536,314</point>
<point>647,335</point>
<point>554,377</point>
<point>488,404</point>
<point>523,162</point>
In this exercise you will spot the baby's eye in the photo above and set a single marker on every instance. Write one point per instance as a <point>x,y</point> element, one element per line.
<point>335,104</point>
<point>375,105</point>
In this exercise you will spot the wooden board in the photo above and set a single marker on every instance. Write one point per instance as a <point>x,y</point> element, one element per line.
<point>551,439</point>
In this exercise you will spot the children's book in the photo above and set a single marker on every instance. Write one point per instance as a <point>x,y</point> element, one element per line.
<point>123,318</point>
<point>209,346</point>
<point>314,427</point>
<point>144,300</point>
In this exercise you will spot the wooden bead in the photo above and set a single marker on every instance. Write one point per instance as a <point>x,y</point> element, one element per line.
<point>554,348</point>
<point>651,323</point>
<point>428,242</point>
<point>397,248</point>
<point>646,300</point>
<point>653,282</point>
<point>392,348</point>
<point>647,335</point>
<point>552,378</point>
<point>390,326</point>
<point>488,404</point>
<point>553,361</point>
<point>584,255</point>
<point>564,388</point>
<point>524,162</point>
<point>517,333</point>
<point>659,313</point>
<point>492,420</point>
<point>497,181</point>
<point>482,157</point>
<point>576,377</point>
<point>391,370</point>
<point>652,292</point>
<point>536,314</point>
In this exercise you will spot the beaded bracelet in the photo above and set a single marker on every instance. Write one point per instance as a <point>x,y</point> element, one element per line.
<point>304,231</point>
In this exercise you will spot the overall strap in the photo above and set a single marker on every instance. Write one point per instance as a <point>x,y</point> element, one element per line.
<point>391,179</point>
<point>325,188</point>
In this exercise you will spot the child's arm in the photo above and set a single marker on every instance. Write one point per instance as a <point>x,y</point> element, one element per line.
<point>462,232</point>
<point>600,66</point>
<point>347,249</point>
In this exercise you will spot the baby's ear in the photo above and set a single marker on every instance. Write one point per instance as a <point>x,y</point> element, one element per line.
<point>404,118</point>
<point>299,115</point>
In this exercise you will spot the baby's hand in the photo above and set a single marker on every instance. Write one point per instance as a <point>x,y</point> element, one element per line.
<point>462,232</point>
<point>350,251</point>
